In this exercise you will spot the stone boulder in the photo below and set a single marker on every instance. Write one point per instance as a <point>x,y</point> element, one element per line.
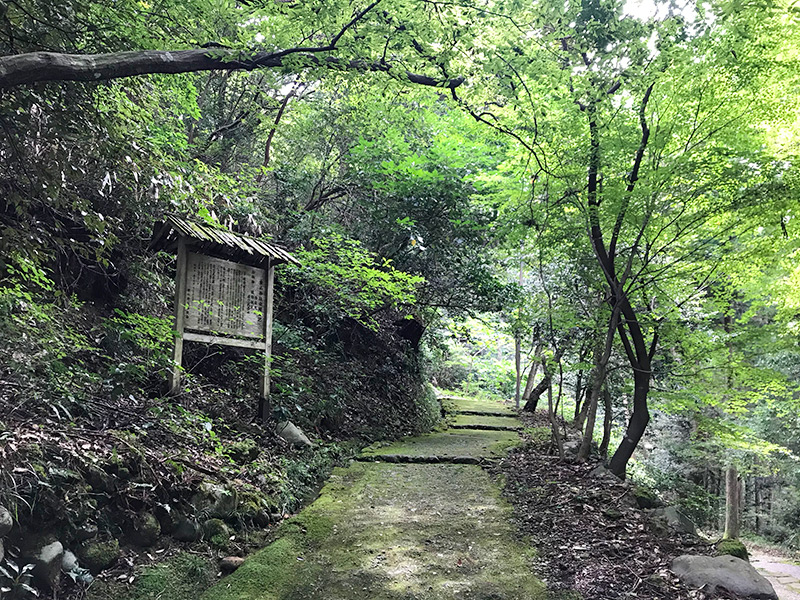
<point>216,500</point>
<point>646,497</point>
<point>47,565</point>
<point>186,530</point>
<point>216,532</point>
<point>145,530</point>
<point>230,563</point>
<point>97,555</point>
<point>292,434</point>
<point>674,519</point>
<point>69,562</point>
<point>716,573</point>
<point>86,531</point>
<point>601,472</point>
<point>571,447</point>
<point>6,521</point>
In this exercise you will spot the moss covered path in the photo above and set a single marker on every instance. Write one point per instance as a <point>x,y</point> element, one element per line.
<point>412,520</point>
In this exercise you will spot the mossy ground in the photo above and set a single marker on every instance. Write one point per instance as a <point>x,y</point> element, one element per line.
<point>182,577</point>
<point>485,420</point>
<point>497,407</point>
<point>393,532</point>
<point>452,443</point>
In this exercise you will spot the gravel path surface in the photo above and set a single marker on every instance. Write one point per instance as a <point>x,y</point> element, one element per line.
<point>784,576</point>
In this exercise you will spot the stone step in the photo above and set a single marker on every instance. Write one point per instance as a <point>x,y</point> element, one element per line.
<point>483,413</point>
<point>482,427</point>
<point>411,459</point>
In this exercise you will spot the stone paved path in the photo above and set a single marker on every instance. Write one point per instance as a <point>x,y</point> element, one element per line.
<point>783,575</point>
<point>410,520</point>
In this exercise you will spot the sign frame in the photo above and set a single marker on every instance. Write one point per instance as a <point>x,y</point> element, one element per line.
<point>262,343</point>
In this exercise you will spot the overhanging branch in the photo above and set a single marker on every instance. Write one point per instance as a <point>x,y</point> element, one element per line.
<point>35,67</point>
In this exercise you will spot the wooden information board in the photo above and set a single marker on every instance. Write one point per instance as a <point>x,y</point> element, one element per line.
<point>224,297</point>
<point>218,301</point>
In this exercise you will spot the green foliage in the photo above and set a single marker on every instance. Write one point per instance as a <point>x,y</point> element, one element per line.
<point>16,582</point>
<point>181,577</point>
<point>785,526</point>
<point>349,280</point>
<point>141,348</point>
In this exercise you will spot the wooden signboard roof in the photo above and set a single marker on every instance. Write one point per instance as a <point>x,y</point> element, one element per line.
<point>218,242</point>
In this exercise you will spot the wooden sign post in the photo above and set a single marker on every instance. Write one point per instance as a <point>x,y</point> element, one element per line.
<point>219,300</point>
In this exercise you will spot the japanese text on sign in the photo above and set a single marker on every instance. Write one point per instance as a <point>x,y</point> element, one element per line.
<point>224,297</point>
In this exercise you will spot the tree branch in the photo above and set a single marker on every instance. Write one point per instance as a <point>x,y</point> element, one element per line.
<point>34,67</point>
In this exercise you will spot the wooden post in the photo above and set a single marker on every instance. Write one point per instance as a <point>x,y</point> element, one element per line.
<point>264,391</point>
<point>180,317</point>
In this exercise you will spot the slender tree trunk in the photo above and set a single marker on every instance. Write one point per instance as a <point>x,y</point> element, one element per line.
<point>553,422</point>
<point>518,365</point>
<point>602,354</point>
<point>637,424</point>
<point>731,504</point>
<point>273,129</point>
<point>529,385</point>
<point>518,342</point>
<point>757,501</point>
<point>578,394</point>
<point>541,388</point>
<point>607,422</point>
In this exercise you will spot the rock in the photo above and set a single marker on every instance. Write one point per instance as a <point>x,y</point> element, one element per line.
<point>675,519</point>
<point>6,521</point>
<point>186,530</point>
<point>99,555</point>
<point>2,550</point>
<point>215,500</point>
<point>645,497</point>
<point>571,447</point>
<point>85,532</point>
<point>217,533</point>
<point>47,565</point>
<point>145,530</point>
<point>230,563</point>
<point>99,479</point>
<point>243,452</point>
<point>167,517</point>
<point>725,573</point>
<point>292,434</point>
<point>69,562</point>
<point>601,472</point>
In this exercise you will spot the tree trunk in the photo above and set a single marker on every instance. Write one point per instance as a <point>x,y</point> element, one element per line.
<point>518,365</point>
<point>607,422</point>
<point>636,425</point>
<point>602,354</point>
<point>541,388</point>
<point>526,395</point>
<point>578,393</point>
<point>553,423</point>
<point>731,504</point>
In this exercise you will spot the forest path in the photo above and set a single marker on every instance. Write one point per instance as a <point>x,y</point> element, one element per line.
<point>783,574</point>
<point>415,519</point>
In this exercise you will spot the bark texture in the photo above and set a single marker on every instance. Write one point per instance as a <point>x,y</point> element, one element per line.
<point>34,67</point>
<point>731,504</point>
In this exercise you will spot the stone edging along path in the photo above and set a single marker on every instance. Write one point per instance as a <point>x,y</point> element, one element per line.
<point>416,519</point>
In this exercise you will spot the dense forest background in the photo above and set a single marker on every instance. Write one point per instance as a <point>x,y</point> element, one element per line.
<point>604,192</point>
